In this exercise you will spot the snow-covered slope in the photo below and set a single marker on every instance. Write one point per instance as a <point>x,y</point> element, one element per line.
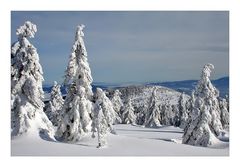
<point>130,141</point>
<point>141,94</point>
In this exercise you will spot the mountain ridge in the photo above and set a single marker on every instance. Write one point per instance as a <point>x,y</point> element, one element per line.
<point>222,84</point>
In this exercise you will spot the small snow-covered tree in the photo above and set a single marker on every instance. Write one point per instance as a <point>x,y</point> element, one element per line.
<point>50,112</point>
<point>117,104</point>
<point>176,116</point>
<point>153,117</point>
<point>183,112</point>
<point>107,107</point>
<point>26,85</point>
<point>75,115</point>
<point>224,113</point>
<point>204,123</point>
<point>128,116</point>
<point>167,114</point>
<point>103,117</point>
<point>55,104</point>
<point>56,96</point>
<point>100,125</point>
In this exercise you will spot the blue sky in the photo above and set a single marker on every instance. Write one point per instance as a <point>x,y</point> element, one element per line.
<point>132,46</point>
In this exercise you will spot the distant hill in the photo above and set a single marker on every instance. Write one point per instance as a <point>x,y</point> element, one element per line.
<point>186,86</point>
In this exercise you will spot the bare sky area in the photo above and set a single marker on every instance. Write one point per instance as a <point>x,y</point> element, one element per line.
<point>132,46</point>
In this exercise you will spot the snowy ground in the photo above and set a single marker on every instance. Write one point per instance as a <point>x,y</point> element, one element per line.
<point>130,141</point>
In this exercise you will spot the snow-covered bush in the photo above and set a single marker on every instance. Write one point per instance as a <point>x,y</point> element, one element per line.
<point>204,121</point>
<point>128,116</point>
<point>26,85</point>
<point>153,118</point>
<point>75,115</point>
<point>55,105</point>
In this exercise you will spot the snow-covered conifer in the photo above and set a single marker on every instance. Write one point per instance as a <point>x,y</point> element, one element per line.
<point>55,104</point>
<point>224,113</point>
<point>75,115</point>
<point>107,107</point>
<point>103,117</point>
<point>183,112</point>
<point>204,120</point>
<point>26,85</point>
<point>100,124</point>
<point>176,115</point>
<point>117,104</point>
<point>153,117</point>
<point>168,114</point>
<point>128,116</point>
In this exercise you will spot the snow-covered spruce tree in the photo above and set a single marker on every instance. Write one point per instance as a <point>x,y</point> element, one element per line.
<point>183,112</point>
<point>103,117</point>
<point>224,113</point>
<point>153,117</point>
<point>128,116</point>
<point>117,104</point>
<point>176,117</point>
<point>75,115</point>
<point>100,124</point>
<point>55,104</point>
<point>167,115</point>
<point>204,119</point>
<point>26,86</point>
<point>107,108</point>
<point>50,111</point>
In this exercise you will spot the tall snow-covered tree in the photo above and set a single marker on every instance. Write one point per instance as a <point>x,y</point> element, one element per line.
<point>117,104</point>
<point>75,115</point>
<point>55,105</point>
<point>26,85</point>
<point>204,123</point>
<point>128,116</point>
<point>153,117</point>
<point>183,112</point>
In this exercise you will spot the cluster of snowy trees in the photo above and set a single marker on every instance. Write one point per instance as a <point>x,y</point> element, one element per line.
<point>81,112</point>
<point>203,117</point>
